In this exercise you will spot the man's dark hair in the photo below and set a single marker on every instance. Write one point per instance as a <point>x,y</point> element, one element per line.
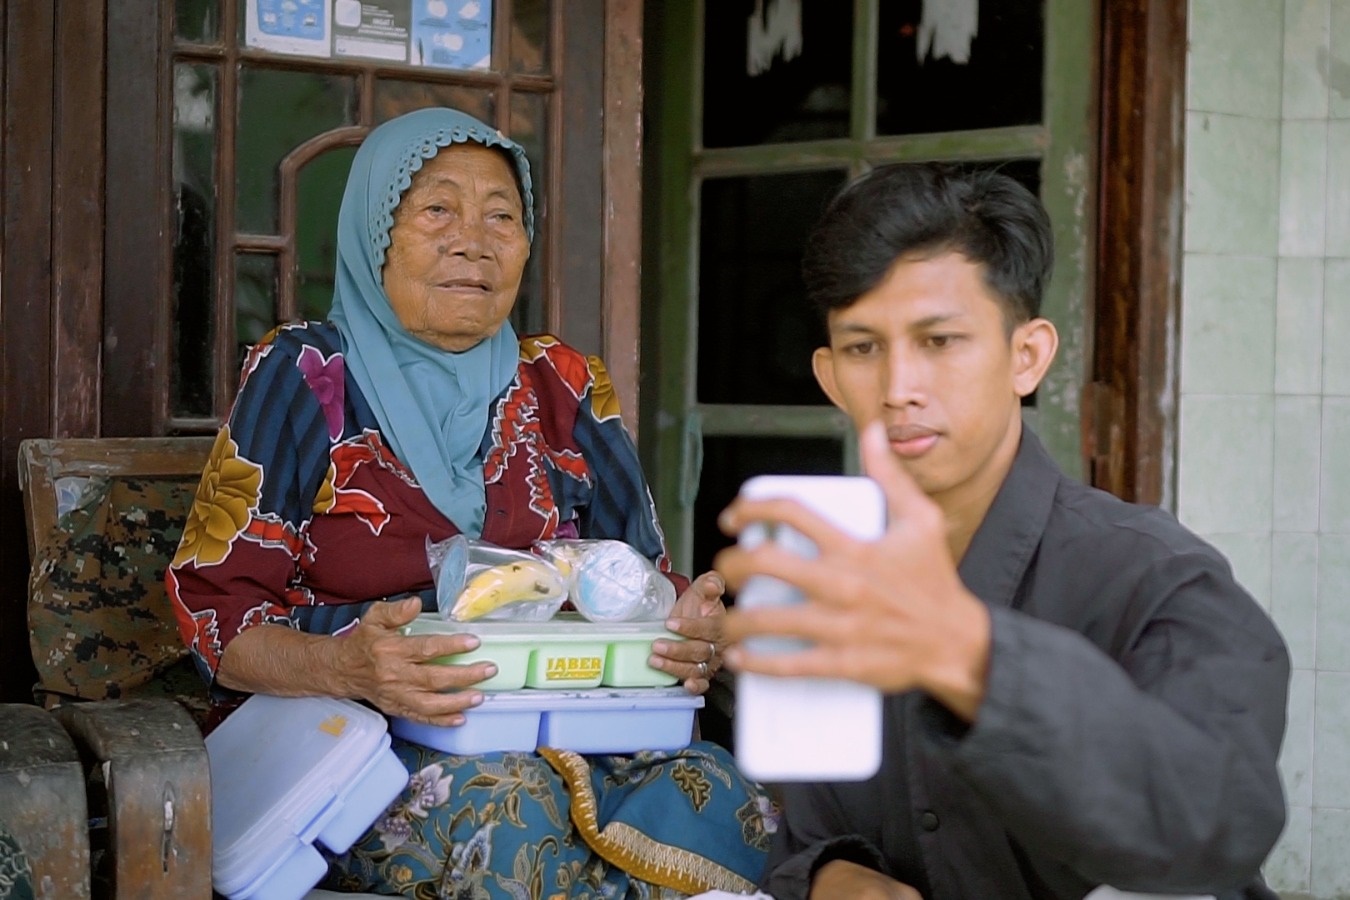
<point>923,210</point>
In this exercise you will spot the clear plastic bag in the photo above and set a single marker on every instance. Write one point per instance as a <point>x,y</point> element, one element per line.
<point>478,580</point>
<point>609,581</point>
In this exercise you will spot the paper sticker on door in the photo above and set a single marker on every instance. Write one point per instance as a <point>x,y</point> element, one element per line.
<point>288,26</point>
<point>452,34</point>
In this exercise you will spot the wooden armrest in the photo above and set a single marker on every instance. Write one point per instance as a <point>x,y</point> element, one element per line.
<point>42,802</point>
<point>147,773</point>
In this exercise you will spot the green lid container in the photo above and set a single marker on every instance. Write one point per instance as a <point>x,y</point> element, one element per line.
<point>566,652</point>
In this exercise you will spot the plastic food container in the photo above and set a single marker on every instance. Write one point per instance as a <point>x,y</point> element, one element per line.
<point>596,721</point>
<point>564,653</point>
<point>289,772</point>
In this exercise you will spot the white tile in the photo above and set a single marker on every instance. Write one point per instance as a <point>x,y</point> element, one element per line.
<point>1335,490</point>
<point>1293,594</point>
<point>1296,753</point>
<point>1333,614</point>
<point>1298,457</point>
<point>1338,184</point>
<point>1249,555</point>
<point>1307,41</point>
<point>1298,329</point>
<point>1331,740</point>
<point>1330,875</point>
<point>1235,58</point>
<point>1303,188</point>
<point>1338,66</point>
<point>1228,324</point>
<point>1232,185</point>
<point>1289,866</point>
<point>1225,472</point>
<point>1336,327</point>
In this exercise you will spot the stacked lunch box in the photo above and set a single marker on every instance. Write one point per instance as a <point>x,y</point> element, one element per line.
<point>567,683</point>
<point>291,773</point>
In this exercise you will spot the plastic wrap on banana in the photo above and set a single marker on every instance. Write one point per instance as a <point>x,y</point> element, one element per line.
<point>477,580</point>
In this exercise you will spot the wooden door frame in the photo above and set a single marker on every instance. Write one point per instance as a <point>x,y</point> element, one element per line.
<point>51,263</point>
<point>1130,407</point>
<point>595,140</point>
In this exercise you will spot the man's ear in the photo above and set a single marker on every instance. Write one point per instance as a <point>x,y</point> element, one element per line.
<point>1033,349</point>
<point>822,364</point>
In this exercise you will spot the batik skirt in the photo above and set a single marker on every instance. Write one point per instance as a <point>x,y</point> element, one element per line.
<point>555,824</point>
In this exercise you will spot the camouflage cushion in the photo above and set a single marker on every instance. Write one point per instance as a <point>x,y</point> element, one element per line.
<point>98,617</point>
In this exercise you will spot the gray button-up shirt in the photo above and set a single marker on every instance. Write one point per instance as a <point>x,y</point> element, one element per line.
<point>1128,735</point>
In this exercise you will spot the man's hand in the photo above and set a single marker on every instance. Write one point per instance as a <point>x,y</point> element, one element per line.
<point>891,613</point>
<point>698,616</point>
<point>842,880</point>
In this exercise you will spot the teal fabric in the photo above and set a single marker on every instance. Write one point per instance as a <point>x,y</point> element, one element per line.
<point>432,405</point>
<point>510,826</point>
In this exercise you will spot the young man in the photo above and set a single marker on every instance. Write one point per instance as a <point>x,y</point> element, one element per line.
<point>1078,693</point>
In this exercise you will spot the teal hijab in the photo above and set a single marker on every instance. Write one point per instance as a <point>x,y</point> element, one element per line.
<point>432,405</point>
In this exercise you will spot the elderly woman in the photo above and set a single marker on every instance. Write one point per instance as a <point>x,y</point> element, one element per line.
<point>417,413</point>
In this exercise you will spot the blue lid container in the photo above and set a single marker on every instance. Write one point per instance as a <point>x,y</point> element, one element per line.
<point>602,720</point>
<point>289,772</point>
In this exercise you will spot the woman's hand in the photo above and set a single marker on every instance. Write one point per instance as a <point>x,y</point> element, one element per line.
<point>839,879</point>
<point>395,672</point>
<point>698,616</point>
<point>372,661</point>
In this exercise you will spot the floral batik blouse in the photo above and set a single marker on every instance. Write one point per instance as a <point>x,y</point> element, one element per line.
<point>304,514</point>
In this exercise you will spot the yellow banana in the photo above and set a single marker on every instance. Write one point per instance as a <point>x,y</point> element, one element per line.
<point>497,586</point>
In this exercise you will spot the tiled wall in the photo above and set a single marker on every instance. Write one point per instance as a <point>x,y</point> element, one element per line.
<point>1264,468</point>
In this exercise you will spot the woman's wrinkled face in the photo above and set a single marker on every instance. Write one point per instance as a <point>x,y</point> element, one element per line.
<point>458,248</point>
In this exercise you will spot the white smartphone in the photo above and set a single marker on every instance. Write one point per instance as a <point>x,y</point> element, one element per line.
<point>806,729</point>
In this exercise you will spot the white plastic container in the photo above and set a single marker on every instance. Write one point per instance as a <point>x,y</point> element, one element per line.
<point>621,720</point>
<point>287,772</point>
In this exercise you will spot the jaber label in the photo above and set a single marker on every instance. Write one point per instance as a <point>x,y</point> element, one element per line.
<point>574,668</point>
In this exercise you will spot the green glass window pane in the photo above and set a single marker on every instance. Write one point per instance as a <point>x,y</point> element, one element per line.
<point>529,36</point>
<point>318,195</point>
<point>529,128</point>
<point>194,269</point>
<point>394,97</point>
<point>729,461</point>
<point>935,75</point>
<point>755,328</point>
<point>770,77</point>
<point>255,299</point>
<point>197,20</point>
<point>279,109</point>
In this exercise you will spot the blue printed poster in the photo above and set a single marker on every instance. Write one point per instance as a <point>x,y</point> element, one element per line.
<point>288,26</point>
<point>443,34</point>
<point>452,34</point>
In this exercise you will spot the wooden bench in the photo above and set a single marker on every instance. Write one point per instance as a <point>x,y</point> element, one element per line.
<point>42,806</point>
<point>104,518</point>
<point>115,506</point>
